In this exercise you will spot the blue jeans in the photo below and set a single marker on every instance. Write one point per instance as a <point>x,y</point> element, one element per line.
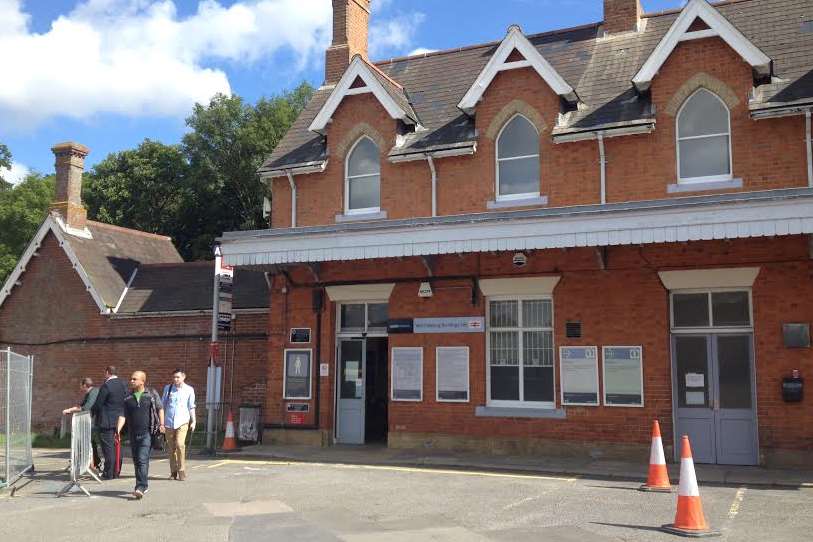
<point>141,446</point>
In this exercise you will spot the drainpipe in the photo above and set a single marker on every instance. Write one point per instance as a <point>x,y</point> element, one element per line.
<point>293,197</point>
<point>431,163</point>
<point>809,149</point>
<point>602,167</point>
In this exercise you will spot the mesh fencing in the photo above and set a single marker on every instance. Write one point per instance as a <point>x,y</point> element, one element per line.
<point>16,373</point>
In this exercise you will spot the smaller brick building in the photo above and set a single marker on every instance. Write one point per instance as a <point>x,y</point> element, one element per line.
<point>86,295</point>
<point>542,243</point>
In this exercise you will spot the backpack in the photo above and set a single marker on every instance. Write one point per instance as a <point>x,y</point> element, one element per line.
<point>158,438</point>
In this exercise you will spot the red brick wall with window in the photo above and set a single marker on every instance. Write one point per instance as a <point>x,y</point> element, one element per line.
<point>623,304</point>
<point>53,317</point>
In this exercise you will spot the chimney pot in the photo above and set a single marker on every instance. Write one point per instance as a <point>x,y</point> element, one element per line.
<point>351,24</point>
<point>621,15</point>
<point>70,165</point>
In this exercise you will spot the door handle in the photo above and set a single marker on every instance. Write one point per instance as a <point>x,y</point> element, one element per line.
<point>716,404</point>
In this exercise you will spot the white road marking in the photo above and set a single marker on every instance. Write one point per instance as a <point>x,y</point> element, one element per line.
<point>519,503</point>
<point>735,506</point>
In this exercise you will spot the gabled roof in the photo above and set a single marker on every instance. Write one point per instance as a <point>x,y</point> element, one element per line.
<point>515,40</point>
<point>717,24</point>
<point>389,93</point>
<point>599,69</point>
<point>181,287</point>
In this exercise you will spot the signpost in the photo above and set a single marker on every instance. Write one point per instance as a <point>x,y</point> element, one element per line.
<point>221,321</point>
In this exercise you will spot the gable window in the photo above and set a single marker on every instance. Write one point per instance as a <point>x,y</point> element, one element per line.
<point>518,160</point>
<point>520,352</point>
<point>703,139</point>
<point>362,187</point>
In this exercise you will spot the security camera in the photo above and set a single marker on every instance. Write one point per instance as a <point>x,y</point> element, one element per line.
<point>520,259</point>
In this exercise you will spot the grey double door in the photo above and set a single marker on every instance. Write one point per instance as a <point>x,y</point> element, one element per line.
<point>714,397</point>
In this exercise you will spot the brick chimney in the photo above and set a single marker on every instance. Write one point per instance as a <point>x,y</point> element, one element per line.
<point>351,23</point>
<point>70,164</point>
<point>621,15</point>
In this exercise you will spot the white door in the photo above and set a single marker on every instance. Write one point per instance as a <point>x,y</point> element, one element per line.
<point>350,380</point>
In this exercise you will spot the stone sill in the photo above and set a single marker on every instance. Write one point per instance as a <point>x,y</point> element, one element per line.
<point>381,215</point>
<point>524,202</point>
<point>703,186</point>
<point>519,412</point>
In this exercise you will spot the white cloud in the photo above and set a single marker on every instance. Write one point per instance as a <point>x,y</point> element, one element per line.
<point>421,51</point>
<point>139,57</point>
<point>16,174</point>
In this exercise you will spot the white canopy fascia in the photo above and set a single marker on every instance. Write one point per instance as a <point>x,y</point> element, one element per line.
<point>666,222</point>
<point>499,62</point>
<point>358,69</point>
<point>718,26</point>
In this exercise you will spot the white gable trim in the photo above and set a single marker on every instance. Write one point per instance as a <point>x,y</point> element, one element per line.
<point>50,225</point>
<point>358,68</point>
<point>498,62</point>
<point>718,26</point>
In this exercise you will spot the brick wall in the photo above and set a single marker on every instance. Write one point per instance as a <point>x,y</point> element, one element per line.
<point>765,154</point>
<point>622,304</point>
<point>53,317</point>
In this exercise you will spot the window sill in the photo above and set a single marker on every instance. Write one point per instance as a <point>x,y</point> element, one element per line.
<point>702,186</point>
<point>380,215</point>
<point>524,202</point>
<point>519,412</point>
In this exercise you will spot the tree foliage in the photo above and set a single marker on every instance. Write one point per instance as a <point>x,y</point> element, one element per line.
<point>22,210</point>
<point>5,162</point>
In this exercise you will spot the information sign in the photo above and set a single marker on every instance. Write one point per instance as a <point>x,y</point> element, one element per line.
<point>623,376</point>
<point>452,367</point>
<point>407,374</point>
<point>579,370</point>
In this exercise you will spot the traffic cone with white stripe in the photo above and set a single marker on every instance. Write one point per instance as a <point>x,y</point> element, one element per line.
<point>689,519</point>
<point>229,443</point>
<point>658,478</point>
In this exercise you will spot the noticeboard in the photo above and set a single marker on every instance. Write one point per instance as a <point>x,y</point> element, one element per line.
<point>297,374</point>
<point>452,372</point>
<point>407,374</point>
<point>579,375</point>
<point>623,376</point>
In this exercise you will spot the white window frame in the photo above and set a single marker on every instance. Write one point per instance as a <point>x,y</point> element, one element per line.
<point>392,373</point>
<point>711,327</point>
<point>497,160</point>
<point>366,331</point>
<point>604,376</point>
<point>708,178</point>
<point>521,403</point>
<point>285,374</point>
<point>348,178</point>
<point>437,374</point>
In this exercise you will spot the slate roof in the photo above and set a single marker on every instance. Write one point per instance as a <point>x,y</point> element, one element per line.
<point>188,287</point>
<point>599,69</point>
<point>110,257</point>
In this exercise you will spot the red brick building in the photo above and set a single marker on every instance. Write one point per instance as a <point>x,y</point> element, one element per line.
<point>541,244</point>
<point>86,295</point>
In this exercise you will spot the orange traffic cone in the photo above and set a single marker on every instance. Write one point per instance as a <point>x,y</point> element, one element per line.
<point>689,519</point>
<point>658,479</point>
<point>229,443</point>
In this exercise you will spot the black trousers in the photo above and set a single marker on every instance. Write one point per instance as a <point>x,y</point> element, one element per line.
<point>108,444</point>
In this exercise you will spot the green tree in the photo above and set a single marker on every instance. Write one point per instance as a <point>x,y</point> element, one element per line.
<point>228,141</point>
<point>5,162</point>
<point>147,188</point>
<point>22,210</point>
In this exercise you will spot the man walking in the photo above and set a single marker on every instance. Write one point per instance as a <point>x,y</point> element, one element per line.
<point>107,409</point>
<point>145,418</point>
<point>179,416</point>
<point>89,395</point>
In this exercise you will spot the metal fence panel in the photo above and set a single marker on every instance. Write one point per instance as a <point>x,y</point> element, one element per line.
<point>81,454</point>
<point>16,374</point>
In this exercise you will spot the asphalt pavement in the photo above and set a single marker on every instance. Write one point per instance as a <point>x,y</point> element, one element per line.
<point>234,499</point>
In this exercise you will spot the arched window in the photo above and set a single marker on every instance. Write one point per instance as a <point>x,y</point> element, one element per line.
<point>362,187</point>
<point>703,138</point>
<point>517,160</point>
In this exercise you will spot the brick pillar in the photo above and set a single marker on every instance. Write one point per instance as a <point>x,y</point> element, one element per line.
<point>351,23</point>
<point>621,15</point>
<point>70,164</point>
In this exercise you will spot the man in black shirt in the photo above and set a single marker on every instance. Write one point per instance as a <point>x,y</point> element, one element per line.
<point>89,395</point>
<point>106,410</point>
<point>143,411</point>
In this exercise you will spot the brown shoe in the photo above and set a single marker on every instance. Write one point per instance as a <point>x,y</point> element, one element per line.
<point>173,476</point>
<point>181,475</point>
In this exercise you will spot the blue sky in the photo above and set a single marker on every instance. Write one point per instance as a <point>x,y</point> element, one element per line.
<point>109,73</point>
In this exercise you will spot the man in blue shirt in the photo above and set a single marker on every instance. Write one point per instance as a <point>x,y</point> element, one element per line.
<point>179,418</point>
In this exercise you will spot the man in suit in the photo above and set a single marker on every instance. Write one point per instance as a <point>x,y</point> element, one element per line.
<point>107,409</point>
